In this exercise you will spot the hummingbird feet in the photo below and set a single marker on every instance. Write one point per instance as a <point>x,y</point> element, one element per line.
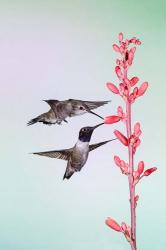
<point>59,121</point>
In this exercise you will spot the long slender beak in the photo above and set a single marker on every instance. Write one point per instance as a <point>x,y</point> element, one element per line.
<point>91,112</point>
<point>98,125</point>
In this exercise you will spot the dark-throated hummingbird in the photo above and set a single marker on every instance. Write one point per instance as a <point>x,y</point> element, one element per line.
<point>60,110</point>
<point>76,156</point>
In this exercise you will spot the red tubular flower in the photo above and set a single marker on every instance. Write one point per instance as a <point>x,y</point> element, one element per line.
<point>120,37</point>
<point>118,72</point>
<point>113,224</point>
<point>111,119</point>
<point>116,47</point>
<point>140,167</point>
<point>112,88</point>
<point>138,42</point>
<point>133,49</point>
<point>149,171</point>
<point>130,57</point>
<point>121,137</point>
<point>137,130</point>
<point>133,81</point>
<point>117,160</point>
<point>142,88</point>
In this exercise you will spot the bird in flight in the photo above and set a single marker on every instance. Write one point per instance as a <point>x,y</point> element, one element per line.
<point>60,110</point>
<point>76,156</point>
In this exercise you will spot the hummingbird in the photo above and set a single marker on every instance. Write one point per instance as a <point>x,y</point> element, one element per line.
<point>60,110</point>
<point>76,156</point>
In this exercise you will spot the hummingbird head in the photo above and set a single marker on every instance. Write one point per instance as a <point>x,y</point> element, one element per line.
<point>86,133</point>
<point>81,108</point>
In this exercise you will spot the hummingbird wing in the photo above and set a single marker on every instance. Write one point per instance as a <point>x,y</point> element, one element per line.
<point>59,154</point>
<point>96,145</point>
<point>95,104</point>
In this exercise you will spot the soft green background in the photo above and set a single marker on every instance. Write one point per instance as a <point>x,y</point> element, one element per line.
<point>63,49</point>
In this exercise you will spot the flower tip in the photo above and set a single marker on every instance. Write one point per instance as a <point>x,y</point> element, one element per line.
<point>149,171</point>
<point>113,224</point>
<point>120,37</point>
<point>121,137</point>
<point>142,89</point>
<point>111,119</point>
<point>112,88</point>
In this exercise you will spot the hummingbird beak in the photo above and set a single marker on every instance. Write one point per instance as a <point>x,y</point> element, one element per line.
<point>91,112</point>
<point>98,125</point>
<point>45,101</point>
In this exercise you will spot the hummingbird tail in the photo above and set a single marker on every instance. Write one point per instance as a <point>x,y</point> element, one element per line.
<point>33,121</point>
<point>68,173</point>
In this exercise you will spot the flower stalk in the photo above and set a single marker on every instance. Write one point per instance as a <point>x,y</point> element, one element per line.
<point>129,93</point>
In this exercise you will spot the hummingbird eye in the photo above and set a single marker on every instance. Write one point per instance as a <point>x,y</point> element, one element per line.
<point>81,108</point>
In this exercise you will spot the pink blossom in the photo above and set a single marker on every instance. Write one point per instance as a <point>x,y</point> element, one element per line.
<point>113,224</point>
<point>126,230</point>
<point>149,171</point>
<point>112,88</point>
<point>121,137</point>
<point>137,130</point>
<point>117,160</point>
<point>120,37</point>
<point>134,80</point>
<point>142,88</point>
<point>116,47</point>
<point>118,72</point>
<point>140,167</point>
<point>111,119</point>
<point>121,114</point>
<point>133,49</point>
<point>130,57</point>
<point>138,42</point>
<point>124,167</point>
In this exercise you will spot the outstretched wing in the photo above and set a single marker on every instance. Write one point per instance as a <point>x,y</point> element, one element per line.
<point>95,104</point>
<point>59,154</point>
<point>96,145</point>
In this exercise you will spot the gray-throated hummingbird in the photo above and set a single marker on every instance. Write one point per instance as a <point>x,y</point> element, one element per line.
<point>60,110</point>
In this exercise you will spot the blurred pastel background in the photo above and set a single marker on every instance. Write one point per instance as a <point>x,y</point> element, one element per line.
<point>60,50</point>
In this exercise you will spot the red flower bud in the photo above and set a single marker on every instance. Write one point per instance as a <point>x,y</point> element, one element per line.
<point>111,119</point>
<point>118,72</point>
<point>137,131</point>
<point>116,48</point>
<point>113,224</point>
<point>113,88</point>
<point>120,37</point>
<point>134,80</point>
<point>121,137</point>
<point>142,88</point>
<point>133,50</point>
<point>149,171</point>
<point>117,160</point>
<point>138,42</point>
<point>140,167</point>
